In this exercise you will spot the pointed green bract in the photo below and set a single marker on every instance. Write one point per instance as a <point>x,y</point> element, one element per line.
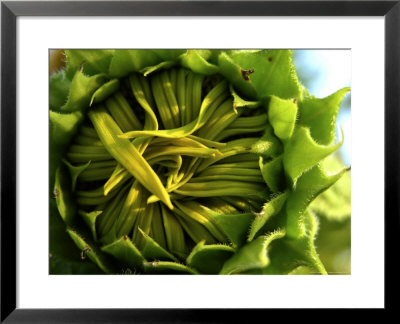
<point>233,72</point>
<point>269,209</point>
<point>235,226</point>
<point>81,91</point>
<point>124,62</point>
<point>335,203</point>
<point>272,172</point>
<point>64,198</point>
<point>75,171</point>
<point>302,153</point>
<point>309,186</point>
<point>106,90</point>
<point>282,116</point>
<point>59,85</point>
<point>90,219</point>
<point>209,259</point>
<point>288,254</point>
<point>193,60</point>
<point>153,251</point>
<point>270,72</point>
<point>89,250</point>
<point>91,61</point>
<point>319,115</point>
<point>268,145</point>
<point>124,250</point>
<point>240,102</point>
<point>161,66</point>
<point>251,256</point>
<point>63,126</point>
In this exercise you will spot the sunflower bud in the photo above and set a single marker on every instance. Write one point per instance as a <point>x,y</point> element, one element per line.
<point>187,161</point>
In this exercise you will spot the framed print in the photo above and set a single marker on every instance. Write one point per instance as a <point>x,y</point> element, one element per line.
<point>172,161</point>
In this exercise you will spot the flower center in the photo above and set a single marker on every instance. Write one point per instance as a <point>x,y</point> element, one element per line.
<point>163,155</point>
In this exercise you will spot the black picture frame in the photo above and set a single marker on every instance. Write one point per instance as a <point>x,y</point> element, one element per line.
<point>10,10</point>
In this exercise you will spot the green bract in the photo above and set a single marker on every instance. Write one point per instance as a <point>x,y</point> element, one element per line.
<point>188,162</point>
